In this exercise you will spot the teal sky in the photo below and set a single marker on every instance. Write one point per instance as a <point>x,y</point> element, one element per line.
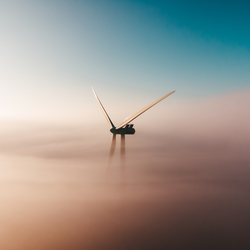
<point>123,48</point>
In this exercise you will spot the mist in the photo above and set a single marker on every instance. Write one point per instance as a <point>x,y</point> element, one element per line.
<point>182,185</point>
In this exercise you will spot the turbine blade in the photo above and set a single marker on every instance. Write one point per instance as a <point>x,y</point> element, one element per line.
<point>131,118</point>
<point>123,174</point>
<point>103,109</point>
<point>122,147</point>
<point>112,147</point>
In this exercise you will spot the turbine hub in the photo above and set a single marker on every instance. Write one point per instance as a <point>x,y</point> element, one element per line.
<point>128,130</point>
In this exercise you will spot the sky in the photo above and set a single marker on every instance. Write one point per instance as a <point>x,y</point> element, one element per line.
<point>184,181</point>
<point>53,51</point>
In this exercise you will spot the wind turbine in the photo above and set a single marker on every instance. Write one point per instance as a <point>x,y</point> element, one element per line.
<point>124,128</point>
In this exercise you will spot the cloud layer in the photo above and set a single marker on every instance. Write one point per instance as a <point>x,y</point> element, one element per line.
<point>184,186</point>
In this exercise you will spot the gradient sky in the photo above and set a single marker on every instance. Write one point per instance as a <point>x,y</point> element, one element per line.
<point>53,51</point>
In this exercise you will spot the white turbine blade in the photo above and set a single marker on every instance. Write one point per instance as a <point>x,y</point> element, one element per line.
<point>103,109</point>
<point>131,118</point>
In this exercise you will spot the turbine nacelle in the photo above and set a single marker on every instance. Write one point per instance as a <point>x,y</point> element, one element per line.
<point>127,130</point>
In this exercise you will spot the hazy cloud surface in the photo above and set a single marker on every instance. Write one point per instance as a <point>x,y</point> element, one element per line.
<point>185,184</point>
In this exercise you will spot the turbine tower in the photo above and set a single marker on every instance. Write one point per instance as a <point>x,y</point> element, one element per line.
<point>124,128</point>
